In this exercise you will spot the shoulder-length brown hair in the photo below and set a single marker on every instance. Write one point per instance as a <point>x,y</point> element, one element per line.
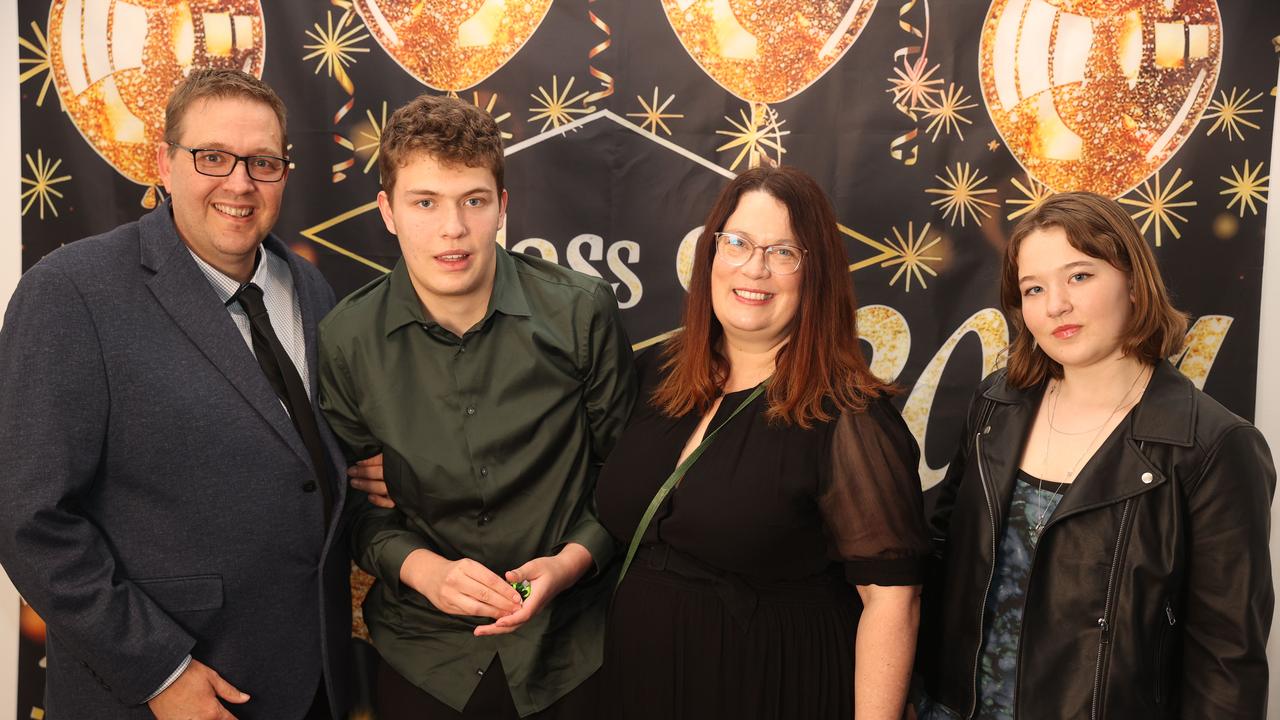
<point>821,369</point>
<point>1100,228</point>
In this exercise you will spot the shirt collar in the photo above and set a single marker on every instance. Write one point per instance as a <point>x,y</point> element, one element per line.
<point>508,295</point>
<point>267,269</point>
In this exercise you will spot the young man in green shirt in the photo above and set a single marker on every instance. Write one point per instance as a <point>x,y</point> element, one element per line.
<point>494,384</point>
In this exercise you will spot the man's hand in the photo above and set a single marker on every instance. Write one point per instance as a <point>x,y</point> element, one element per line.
<point>548,577</point>
<point>194,696</point>
<point>459,587</point>
<point>366,475</point>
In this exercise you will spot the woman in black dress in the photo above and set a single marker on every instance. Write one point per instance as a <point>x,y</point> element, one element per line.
<point>780,579</point>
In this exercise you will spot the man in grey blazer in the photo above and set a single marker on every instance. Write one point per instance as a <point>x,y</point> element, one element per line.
<point>170,495</point>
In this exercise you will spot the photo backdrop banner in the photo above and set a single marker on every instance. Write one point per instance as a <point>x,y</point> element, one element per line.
<point>933,126</point>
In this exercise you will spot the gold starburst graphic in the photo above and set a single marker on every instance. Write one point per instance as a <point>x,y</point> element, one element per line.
<point>556,108</point>
<point>756,134</point>
<point>961,193</point>
<point>1229,112</point>
<point>910,255</point>
<point>654,115</point>
<point>1034,193</point>
<point>335,45</point>
<point>371,136</point>
<point>488,107</point>
<point>1246,187</point>
<point>1157,204</point>
<point>39,62</point>
<point>914,83</point>
<point>42,190</point>
<point>946,113</point>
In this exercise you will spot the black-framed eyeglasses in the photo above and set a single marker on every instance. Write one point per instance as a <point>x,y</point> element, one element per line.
<point>780,259</point>
<point>220,163</point>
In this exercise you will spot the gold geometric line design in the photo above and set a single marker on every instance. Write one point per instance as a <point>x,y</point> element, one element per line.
<point>556,107</point>
<point>947,113</point>
<point>1246,187</point>
<point>1230,112</point>
<point>39,63</point>
<point>42,190</point>
<point>910,255</point>
<point>636,347</point>
<point>313,234</point>
<point>1034,193</point>
<point>1157,204</point>
<point>886,252</point>
<point>960,194</point>
<point>654,115</point>
<point>755,134</point>
<point>372,135</point>
<point>335,45</point>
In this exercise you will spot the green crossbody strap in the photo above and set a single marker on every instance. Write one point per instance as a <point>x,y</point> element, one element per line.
<point>674,479</point>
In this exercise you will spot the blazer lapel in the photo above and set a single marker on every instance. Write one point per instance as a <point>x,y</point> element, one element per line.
<point>184,293</point>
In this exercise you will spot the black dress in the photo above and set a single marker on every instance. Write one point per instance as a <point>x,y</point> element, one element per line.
<point>741,604</point>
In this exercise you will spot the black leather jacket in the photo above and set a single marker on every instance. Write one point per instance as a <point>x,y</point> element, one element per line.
<point>1150,591</point>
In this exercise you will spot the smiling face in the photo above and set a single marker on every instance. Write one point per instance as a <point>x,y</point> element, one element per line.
<point>224,219</point>
<point>1076,307</point>
<point>446,218</point>
<point>756,306</point>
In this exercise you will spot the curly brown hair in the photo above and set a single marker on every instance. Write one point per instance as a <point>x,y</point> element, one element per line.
<point>448,129</point>
<point>206,83</point>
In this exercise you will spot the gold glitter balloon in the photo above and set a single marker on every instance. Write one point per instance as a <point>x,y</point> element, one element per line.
<point>452,44</point>
<point>116,61</point>
<point>767,51</point>
<point>1098,94</point>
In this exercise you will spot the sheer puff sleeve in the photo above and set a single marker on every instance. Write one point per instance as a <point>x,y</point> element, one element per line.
<point>871,502</point>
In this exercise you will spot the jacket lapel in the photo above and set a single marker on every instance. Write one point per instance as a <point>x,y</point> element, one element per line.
<point>184,293</point>
<point>1002,438</point>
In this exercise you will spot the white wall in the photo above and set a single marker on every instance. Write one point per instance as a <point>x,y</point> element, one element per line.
<point>1267,415</point>
<point>10,269</point>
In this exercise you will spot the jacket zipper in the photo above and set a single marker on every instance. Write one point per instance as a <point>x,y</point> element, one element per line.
<point>1104,622</point>
<point>1161,649</point>
<point>991,514</point>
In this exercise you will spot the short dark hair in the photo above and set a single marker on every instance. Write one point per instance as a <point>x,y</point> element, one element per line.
<point>1098,227</point>
<point>205,83</point>
<point>450,130</point>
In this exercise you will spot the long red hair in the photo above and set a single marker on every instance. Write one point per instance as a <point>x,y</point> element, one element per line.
<point>821,370</point>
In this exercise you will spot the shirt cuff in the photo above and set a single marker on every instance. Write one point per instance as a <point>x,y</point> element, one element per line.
<point>592,536</point>
<point>391,557</point>
<point>182,667</point>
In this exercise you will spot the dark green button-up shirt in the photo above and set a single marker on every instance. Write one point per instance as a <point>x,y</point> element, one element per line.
<point>492,443</point>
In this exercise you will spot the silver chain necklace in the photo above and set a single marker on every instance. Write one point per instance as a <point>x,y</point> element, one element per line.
<point>1043,513</point>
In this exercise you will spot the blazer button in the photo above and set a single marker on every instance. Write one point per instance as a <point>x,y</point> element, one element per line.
<point>309,486</point>
<point>1147,478</point>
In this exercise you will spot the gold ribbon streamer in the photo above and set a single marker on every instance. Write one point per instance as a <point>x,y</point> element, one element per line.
<point>605,78</point>
<point>347,85</point>
<point>903,148</point>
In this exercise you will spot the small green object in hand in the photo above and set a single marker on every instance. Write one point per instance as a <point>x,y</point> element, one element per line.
<point>522,587</point>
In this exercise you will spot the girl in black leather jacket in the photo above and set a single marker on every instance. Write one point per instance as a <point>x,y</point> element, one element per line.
<point>1104,526</point>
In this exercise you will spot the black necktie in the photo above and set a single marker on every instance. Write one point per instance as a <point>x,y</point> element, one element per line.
<point>282,374</point>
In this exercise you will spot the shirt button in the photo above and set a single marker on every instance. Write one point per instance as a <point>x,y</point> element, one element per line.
<point>484,472</point>
<point>484,519</point>
<point>471,411</point>
<point>462,348</point>
<point>480,672</point>
<point>309,486</point>
<point>1147,478</point>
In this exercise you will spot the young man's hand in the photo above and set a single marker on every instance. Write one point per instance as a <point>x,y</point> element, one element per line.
<point>547,578</point>
<point>459,587</point>
<point>366,476</point>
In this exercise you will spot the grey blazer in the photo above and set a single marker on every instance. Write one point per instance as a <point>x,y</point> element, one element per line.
<point>154,495</point>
